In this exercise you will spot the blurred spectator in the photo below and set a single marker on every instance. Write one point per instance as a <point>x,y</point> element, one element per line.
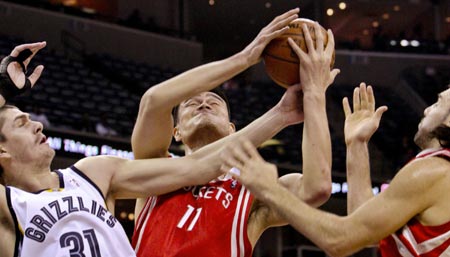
<point>38,115</point>
<point>379,39</point>
<point>102,128</point>
<point>135,19</point>
<point>85,125</point>
<point>447,45</point>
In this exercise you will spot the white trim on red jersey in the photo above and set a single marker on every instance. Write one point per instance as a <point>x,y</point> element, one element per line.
<point>145,239</point>
<point>415,239</point>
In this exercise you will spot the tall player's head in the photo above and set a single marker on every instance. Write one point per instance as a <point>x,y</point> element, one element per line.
<point>202,119</point>
<point>22,144</point>
<point>434,129</point>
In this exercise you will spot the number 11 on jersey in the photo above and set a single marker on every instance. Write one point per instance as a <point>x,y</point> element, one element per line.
<point>188,214</point>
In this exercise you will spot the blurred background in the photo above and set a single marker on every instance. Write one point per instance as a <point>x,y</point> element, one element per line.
<point>102,55</point>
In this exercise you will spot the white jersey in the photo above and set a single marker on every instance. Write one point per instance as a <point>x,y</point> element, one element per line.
<point>68,221</point>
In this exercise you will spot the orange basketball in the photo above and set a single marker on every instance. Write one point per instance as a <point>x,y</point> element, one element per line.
<point>281,62</point>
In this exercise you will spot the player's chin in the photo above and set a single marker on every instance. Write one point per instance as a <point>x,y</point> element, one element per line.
<point>205,120</point>
<point>44,153</point>
<point>210,126</point>
<point>206,124</point>
<point>49,152</point>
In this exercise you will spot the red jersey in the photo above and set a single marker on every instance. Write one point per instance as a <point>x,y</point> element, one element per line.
<point>208,220</point>
<point>415,239</point>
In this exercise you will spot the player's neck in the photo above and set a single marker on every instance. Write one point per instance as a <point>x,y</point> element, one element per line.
<point>192,147</point>
<point>198,140</point>
<point>431,144</point>
<point>31,178</point>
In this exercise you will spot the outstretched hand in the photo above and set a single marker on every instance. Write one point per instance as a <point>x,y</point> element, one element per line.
<point>274,29</point>
<point>315,64</point>
<point>364,121</point>
<point>243,162</point>
<point>17,72</point>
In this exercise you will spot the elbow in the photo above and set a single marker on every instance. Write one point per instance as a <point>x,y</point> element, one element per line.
<point>324,187</point>
<point>320,195</point>
<point>338,251</point>
<point>154,98</point>
<point>334,254</point>
<point>150,99</point>
<point>343,240</point>
<point>336,248</point>
<point>320,192</point>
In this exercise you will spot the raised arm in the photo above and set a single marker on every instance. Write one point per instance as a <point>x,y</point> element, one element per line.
<point>13,79</point>
<point>413,191</point>
<point>152,133</point>
<point>359,128</point>
<point>314,186</point>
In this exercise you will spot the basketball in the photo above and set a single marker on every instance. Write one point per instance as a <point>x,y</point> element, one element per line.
<point>280,60</point>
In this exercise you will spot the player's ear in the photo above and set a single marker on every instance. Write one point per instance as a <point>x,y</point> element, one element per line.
<point>3,153</point>
<point>176,134</point>
<point>232,127</point>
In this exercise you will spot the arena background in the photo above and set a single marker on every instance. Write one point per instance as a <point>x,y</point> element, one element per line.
<point>102,55</point>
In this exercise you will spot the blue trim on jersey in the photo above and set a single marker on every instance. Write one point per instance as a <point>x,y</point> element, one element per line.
<point>61,179</point>
<point>19,237</point>
<point>79,172</point>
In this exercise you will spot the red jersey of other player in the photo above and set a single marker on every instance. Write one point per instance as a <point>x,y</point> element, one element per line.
<point>197,224</point>
<point>196,221</point>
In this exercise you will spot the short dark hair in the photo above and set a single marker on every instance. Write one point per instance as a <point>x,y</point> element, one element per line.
<point>216,91</point>
<point>442,134</point>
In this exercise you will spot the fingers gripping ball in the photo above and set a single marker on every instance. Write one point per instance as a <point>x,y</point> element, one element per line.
<point>281,62</point>
<point>7,87</point>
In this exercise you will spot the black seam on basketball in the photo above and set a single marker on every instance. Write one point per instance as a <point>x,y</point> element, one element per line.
<point>292,34</point>
<point>281,59</point>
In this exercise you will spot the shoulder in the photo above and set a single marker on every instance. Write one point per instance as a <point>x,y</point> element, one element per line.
<point>101,162</point>
<point>100,170</point>
<point>291,179</point>
<point>430,169</point>
<point>421,176</point>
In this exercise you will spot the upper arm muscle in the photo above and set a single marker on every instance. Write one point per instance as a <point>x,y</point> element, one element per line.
<point>152,133</point>
<point>410,193</point>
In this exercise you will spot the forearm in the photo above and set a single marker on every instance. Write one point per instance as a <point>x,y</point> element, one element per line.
<point>358,175</point>
<point>335,235</point>
<point>143,178</point>
<point>172,92</point>
<point>316,150</point>
<point>257,132</point>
